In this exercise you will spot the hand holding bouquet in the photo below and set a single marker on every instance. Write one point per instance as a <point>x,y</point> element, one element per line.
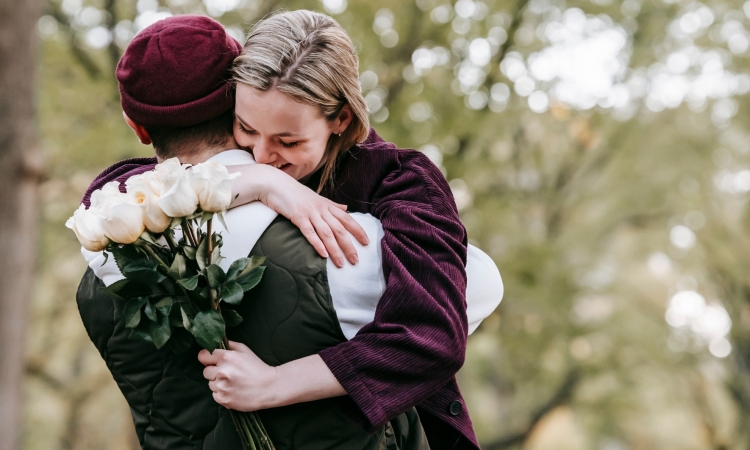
<point>174,285</point>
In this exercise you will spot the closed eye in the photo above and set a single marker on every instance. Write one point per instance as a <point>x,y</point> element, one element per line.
<point>289,144</point>
<point>245,130</point>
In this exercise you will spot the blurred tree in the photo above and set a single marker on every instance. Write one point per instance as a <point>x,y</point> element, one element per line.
<point>19,178</point>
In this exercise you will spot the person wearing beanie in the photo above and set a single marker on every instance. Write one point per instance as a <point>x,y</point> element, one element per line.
<point>175,95</point>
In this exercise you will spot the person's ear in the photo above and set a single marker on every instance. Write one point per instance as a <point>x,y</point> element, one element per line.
<point>139,129</point>
<point>343,120</point>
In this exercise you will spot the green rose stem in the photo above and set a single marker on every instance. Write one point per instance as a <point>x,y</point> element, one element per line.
<point>187,231</point>
<point>247,424</point>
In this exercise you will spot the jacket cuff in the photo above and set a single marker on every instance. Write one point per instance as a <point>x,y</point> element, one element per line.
<point>368,414</point>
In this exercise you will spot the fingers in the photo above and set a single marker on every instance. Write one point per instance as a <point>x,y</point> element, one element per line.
<point>351,225</point>
<point>207,358</point>
<point>340,206</point>
<point>342,237</point>
<point>209,372</point>
<point>329,240</point>
<point>239,347</point>
<point>308,230</point>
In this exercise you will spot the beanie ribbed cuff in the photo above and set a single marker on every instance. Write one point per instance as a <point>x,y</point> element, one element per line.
<point>183,115</point>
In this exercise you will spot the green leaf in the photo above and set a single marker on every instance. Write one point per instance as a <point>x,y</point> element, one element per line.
<point>231,317</point>
<point>216,255</point>
<point>206,216</point>
<point>164,306</point>
<point>216,276</point>
<point>232,293</point>
<point>147,237</point>
<point>186,322</point>
<point>208,329</point>
<point>140,334</point>
<point>143,271</point>
<point>189,252</point>
<point>160,332</point>
<point>237,267</point>
<point>175,222</point>
<point>255,261</point>
<point>250,279</point>
<point>150,312</point>
<point>189,283</point>
<point>114,288</point>
<point>178,269</point>
<point>132,312</point>
<point>201,256</point>
<point>220,216</point>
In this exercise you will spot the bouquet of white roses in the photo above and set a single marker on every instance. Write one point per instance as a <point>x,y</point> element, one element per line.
<point>174,286</point>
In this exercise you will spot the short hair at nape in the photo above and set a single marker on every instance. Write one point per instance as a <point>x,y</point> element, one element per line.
<point>180,141</point>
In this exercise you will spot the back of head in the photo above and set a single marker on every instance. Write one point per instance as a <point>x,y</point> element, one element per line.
<point>174,80</point>
<point>308,56</point>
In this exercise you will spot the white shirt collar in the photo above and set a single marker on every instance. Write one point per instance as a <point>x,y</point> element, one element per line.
<point>233,158</point>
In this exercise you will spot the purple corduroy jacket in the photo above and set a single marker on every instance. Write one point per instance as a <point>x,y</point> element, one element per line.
<point>409,354</point>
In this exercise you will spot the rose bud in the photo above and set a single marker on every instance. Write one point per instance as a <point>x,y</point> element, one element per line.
<point>213,183</point>
<point>140,189</point>
<point>123,222</point>
<point>178,198</point>
<point>86,224</point>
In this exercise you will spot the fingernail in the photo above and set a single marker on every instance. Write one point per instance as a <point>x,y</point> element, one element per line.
<point>355,259</point>
<point>340,262</point>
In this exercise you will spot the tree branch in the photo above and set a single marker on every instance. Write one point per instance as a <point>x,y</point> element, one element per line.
<point>88,64</point>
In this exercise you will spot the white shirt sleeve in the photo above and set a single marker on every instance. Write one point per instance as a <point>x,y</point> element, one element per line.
<point>356,289</point>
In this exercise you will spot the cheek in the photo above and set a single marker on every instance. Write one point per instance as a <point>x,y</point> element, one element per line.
<point>243,140</point>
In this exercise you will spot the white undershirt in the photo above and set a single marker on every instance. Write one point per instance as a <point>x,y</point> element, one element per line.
<point>355,289</point>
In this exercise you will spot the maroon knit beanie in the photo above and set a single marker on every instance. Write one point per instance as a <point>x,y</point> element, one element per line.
<point>175,73</point>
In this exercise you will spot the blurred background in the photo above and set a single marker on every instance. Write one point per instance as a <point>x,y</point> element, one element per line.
<point>597,151</point>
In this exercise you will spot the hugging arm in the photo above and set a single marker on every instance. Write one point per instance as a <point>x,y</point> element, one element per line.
<point>417,341</point>
<point>324,223</point>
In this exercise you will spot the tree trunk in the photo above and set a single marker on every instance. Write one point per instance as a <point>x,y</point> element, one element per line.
<point>19,176</point>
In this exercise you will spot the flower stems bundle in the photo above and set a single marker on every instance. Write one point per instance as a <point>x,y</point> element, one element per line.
<point>174,290</point>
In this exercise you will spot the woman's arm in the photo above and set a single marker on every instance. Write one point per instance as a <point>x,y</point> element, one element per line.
<point>241,381</point>
<point>325,224</point>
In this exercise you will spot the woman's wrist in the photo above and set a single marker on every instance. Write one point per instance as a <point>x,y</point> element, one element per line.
<point>304,380</point>
<point>253,183</point>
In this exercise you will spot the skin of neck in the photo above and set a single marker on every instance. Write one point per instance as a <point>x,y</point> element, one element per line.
<point>193,157</point>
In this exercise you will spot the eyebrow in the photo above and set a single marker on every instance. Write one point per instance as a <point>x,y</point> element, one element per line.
<point>282,134</point>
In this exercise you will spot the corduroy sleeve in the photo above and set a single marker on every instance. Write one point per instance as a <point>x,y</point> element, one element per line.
<point>417,340</point>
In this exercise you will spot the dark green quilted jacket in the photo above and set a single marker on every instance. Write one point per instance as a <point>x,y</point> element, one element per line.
<point>289,315</point>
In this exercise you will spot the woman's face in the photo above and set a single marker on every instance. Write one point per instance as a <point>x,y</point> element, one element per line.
<point>282,132</point>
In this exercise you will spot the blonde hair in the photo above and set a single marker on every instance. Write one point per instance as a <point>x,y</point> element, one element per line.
<point>308,56</point>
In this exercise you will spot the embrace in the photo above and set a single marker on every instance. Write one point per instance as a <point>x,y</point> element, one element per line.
<point>354,334</point>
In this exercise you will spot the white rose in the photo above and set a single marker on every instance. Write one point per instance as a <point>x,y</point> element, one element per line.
<point>148,181</point>
<point>213,183</point>
<point>86,224</point>
<point>144,190</point>
<point>122,220</point>
<point>108,193</point>
<point>178,198</point>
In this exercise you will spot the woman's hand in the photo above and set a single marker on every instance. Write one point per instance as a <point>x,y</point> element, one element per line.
<point>239,379</point>
<point>324,223</point>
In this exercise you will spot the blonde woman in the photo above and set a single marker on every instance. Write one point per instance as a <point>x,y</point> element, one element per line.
<point>300,111</point>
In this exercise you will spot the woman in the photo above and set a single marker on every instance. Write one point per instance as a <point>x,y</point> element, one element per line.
<point>300,110</point>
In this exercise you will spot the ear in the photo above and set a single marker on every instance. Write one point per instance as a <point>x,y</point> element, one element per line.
<point>140,131</point>
<point>341,123</point>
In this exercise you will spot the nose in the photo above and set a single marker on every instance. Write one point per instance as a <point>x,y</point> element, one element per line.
<point>262,152</point>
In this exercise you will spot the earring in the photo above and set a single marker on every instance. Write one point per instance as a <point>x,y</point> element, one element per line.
<point>339,134</point>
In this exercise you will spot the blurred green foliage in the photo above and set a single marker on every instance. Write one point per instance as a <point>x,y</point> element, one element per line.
<point>597,151</point>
